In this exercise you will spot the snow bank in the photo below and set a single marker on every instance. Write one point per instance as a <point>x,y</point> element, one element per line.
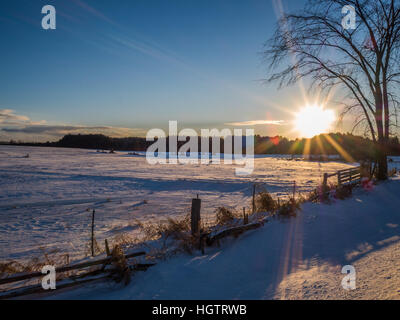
<point>299,258</point>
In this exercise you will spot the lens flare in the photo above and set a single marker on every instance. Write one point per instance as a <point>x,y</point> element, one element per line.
<point>314,120</point>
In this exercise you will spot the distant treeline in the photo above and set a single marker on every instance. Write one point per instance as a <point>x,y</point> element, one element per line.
<point>327,144</point>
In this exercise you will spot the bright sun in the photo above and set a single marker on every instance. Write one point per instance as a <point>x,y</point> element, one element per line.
<point>313,120</point>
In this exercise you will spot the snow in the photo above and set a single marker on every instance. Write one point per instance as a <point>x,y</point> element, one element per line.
<point>46,200</point>
<point>299,258</point>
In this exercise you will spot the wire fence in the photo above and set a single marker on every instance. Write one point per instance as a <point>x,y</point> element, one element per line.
<point>29,231</point>
<point>66,227</point>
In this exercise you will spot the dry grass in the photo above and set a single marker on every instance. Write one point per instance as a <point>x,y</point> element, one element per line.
<point>392,172</point>
<point>97,249</point>
<point>171,228</point>
<point>11,267</point>
<point>120,263</point>
<point>334,191</point>
<point>172,234</point>
<point>53,258</point>
<point>282,208</point>
<point>344,192</point>
<point>124,239</point>
<point>224,216</point>
<point>289,208</point>
<point>265,203</point>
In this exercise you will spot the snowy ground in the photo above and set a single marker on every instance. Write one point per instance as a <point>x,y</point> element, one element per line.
<point>300,258</point>
<point>46,199</point>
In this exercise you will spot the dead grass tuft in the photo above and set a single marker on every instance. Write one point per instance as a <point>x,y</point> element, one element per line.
<point>53,258</point>
<point>120,263</point>
<point>288,208</point>
<point>224,216</point>
<point>172,233</point>
<point>265,202</point>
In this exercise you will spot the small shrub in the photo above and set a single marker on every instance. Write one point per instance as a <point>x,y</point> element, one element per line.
<point>392,172</point>
<point>124,239</point>
<point>325,191</point>
<point>301,198</point>
<point>224,216</point>
<point>288,208</point>
<point>265,202</point>
<point>97,249</point>
<point>313,196</point>
<point>322,193</point>
<point>178,230</point>
<point>343,192</point>
<point>35,264</point>
<point>172,228</point>
<point>120,263</point>
<point>11,267</point>
<point>366,169</point>
<point>175,228</point>
<point>149,231</point>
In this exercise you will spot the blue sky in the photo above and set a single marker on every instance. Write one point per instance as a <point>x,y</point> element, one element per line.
<point>122,67</point>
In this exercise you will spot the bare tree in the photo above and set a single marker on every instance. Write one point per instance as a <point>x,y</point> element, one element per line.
<point>363,60</point>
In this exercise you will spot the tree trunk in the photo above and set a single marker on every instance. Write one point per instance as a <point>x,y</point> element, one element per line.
<point>386,109</point>
<point>382,173</point>
<point>381,150</point>
<point>381,158</point>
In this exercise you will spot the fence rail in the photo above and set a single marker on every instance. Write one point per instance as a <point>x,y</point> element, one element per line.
<point>345,176</point>
<point>69,281</point>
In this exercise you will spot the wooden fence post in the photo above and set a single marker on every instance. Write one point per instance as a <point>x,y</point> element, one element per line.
<point>339,178</point>
<point>195,216</point>
<point>107,247</point>
<point>294,190</point>
<point>325,183</point>
<point>254,198</point>
<point>93,212</point>
<point>245,217</point>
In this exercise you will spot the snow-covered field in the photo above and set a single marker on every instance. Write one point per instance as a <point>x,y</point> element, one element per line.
<point>46,199</point>
<point>300,258</point>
